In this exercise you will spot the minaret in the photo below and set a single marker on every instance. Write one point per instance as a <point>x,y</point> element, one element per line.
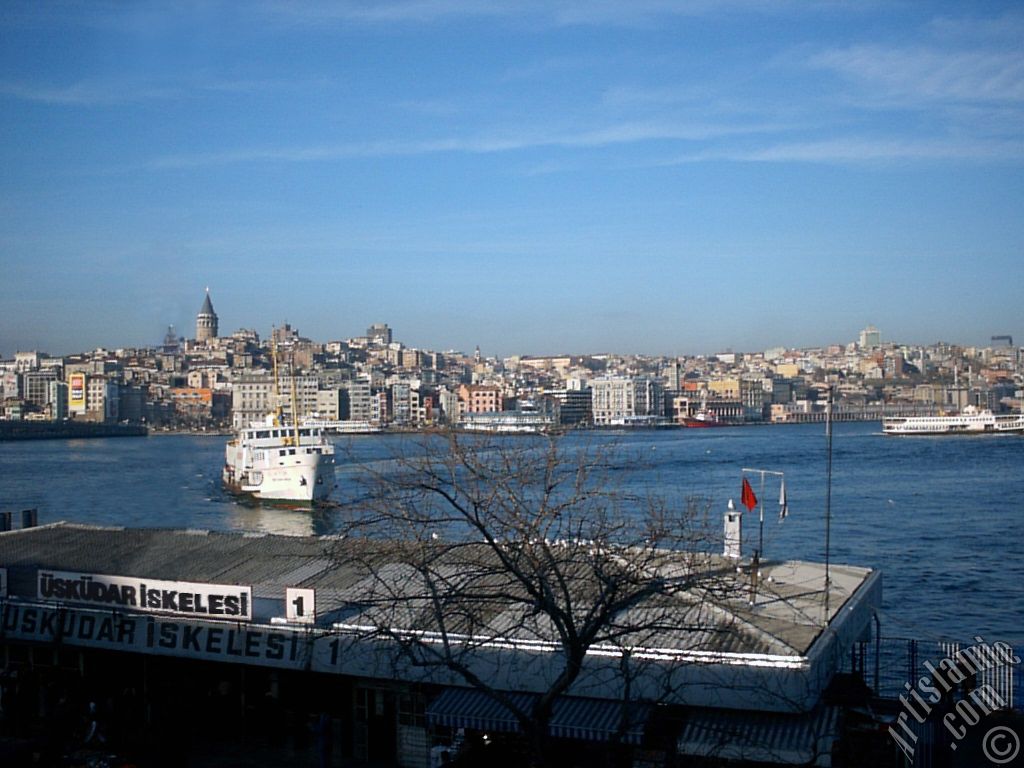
<point>206,321</point>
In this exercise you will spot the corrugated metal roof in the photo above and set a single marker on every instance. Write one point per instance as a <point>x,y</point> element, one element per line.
<point>355,578</point>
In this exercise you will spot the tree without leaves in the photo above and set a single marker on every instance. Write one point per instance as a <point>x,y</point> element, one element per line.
<point>490,561</point>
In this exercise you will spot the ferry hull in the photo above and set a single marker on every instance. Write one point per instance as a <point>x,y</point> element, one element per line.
<point>279,472</point>
<point>309,479</point>
<point>974,423</point>
<point>693,423</point>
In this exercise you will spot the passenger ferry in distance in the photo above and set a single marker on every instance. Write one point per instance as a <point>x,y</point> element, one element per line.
<point>280,463</point>
<point>277,462</point>
<point>970,421</point>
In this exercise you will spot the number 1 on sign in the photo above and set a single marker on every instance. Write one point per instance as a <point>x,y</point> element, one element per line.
<point>300,605</point>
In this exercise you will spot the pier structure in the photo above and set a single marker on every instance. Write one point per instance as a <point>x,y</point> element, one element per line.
<point>255,631</point>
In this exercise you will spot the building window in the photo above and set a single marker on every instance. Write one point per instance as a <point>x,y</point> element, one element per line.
<point>411,710</point>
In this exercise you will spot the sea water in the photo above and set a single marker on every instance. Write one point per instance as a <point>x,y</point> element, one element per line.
<point>941,517</point>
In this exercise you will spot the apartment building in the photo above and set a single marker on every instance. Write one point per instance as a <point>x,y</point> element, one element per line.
<point>619,400</point>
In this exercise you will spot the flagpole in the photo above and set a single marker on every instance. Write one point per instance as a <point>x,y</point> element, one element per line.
<point>828,497</point>
<point>762,473</point>
<point>760,520</point>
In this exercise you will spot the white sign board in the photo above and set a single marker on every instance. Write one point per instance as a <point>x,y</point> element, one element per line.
<point>300,605</point>
<point>179,598</point>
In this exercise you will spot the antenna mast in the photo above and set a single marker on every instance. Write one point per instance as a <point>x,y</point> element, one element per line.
<point>277,389</point>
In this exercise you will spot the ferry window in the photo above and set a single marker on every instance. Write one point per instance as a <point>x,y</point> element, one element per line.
<point>263,433</point>
<point>291,451</point>
<point>281,452</point>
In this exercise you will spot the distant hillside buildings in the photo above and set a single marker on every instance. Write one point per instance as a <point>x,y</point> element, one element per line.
<point>216,381</point>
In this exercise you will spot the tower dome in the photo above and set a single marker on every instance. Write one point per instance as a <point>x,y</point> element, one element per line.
<point>206,321</point>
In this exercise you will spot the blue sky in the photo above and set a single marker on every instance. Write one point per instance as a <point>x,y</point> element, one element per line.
<point>530,177</point>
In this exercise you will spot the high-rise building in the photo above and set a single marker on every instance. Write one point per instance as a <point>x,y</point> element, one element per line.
<point>36,385</point>
<point>870,338</point>
<point>206,321</point>
<point>360,405</point>
<point>379,334</point>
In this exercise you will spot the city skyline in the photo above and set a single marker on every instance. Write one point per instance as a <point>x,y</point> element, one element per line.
<point>198,331</point>
<point>534,178</point>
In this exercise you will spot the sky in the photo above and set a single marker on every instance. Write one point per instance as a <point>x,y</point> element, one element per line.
<point>567,176</point>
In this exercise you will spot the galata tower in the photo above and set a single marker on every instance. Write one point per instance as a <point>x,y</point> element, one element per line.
<point>206,321</point>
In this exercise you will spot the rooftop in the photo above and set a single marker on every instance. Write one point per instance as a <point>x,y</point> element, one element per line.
<point>720,621</point>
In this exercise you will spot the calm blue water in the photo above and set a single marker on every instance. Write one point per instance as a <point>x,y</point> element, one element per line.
<point>943,518</point>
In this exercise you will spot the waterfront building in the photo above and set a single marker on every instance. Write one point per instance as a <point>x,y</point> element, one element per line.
<point>729,668</point>
<point>329,404</point>
<point>620,400</point>
<point>57,400</point>
<point>449,403</point>
<point>36,385</point>
<point>192,405</point>
<point>131,399</point>
<point>10,385</point>
<point>401,402</point>
<point>480,398</point>
<point>380,407</point>
<point>685,407</point>
<point>102,399</point>
<point>574,406</point>
<point>252,398</point>
<point>206,321</point>
<point>672,376</point>
<point>357,403</point>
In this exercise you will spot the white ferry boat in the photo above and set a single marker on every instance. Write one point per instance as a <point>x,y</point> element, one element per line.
<point>970,421</point>
<point>280,463</point>
<point>507,422</point>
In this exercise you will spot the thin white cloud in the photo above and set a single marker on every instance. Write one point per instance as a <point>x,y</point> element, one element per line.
<point>1007,28</point>
<point>616,134</point>
<point>923,73</point>
<point>109,92</point>
<point>861,150</point>
<point>83,94</point>
<point>370,12</point>
<point>549,12</point>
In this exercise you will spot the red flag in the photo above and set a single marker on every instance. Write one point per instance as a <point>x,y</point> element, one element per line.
<point>748,498</point>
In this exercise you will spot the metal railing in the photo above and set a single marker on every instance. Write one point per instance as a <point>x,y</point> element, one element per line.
<point>889,664</point>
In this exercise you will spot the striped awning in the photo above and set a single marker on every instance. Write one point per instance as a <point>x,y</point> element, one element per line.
<point>468,708</point>
<point>762,737</point>
<point>571,717</point>
<point>598,720</point>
